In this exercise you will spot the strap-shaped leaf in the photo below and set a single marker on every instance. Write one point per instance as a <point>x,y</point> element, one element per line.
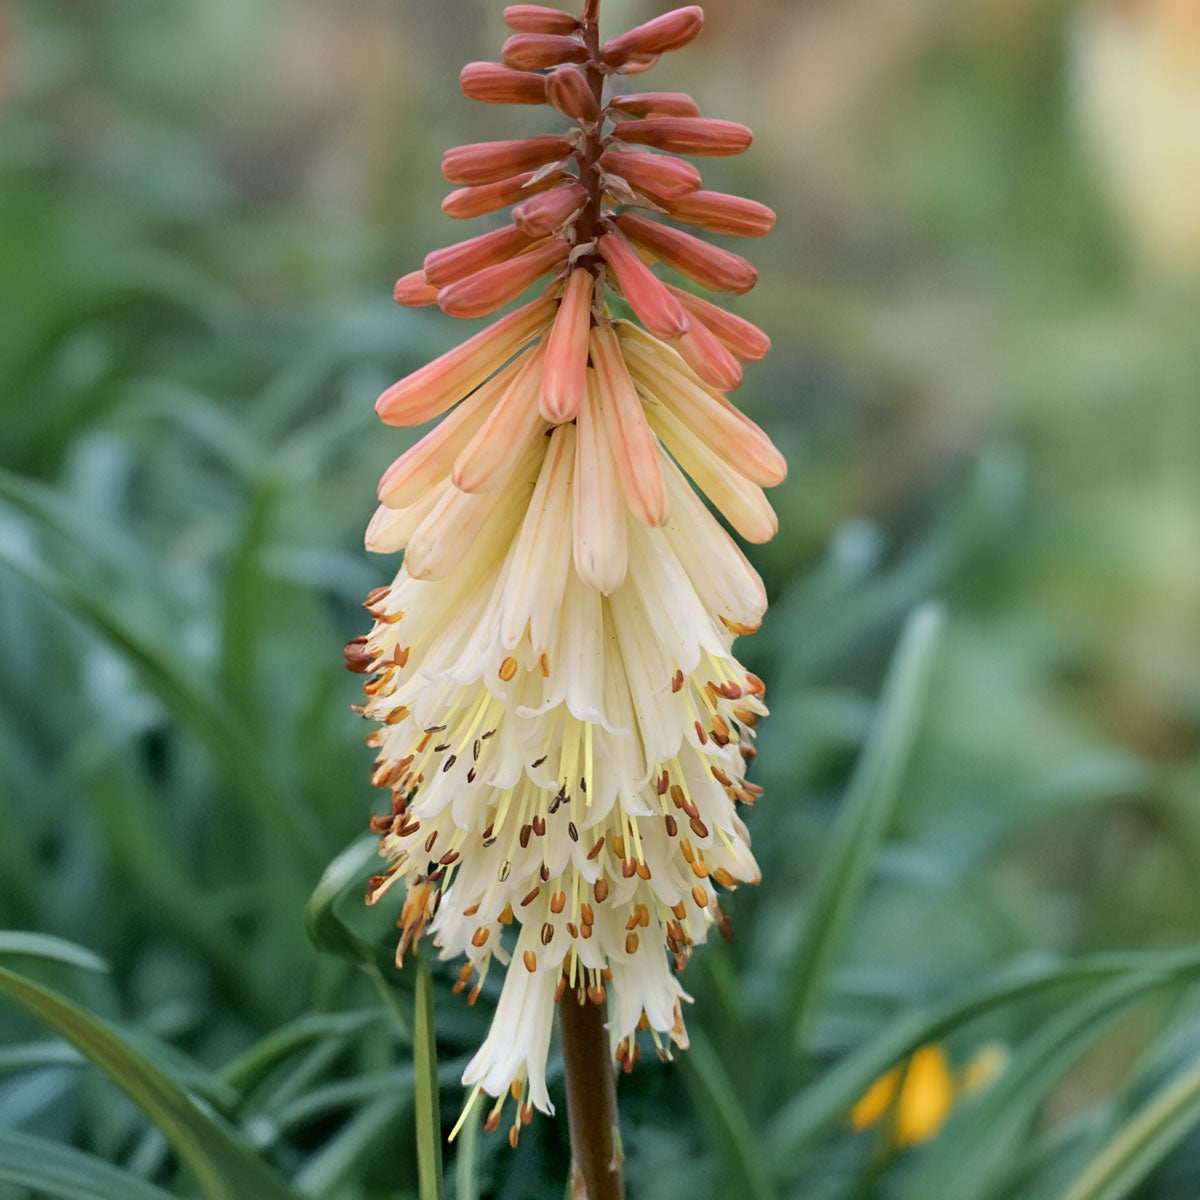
<point>51,1170</point>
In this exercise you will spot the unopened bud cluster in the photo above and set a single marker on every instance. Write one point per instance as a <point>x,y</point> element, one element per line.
<point>564,730</point>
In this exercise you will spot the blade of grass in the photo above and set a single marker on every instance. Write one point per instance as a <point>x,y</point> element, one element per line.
<point>1138,1146</point>
<point>427,1098</point>
<point>52,1170</point>
<point>16,943</point>
<point>224,1167</point>
<point>718,1104</point>
<point>466,1156</point>
<point>861,825</point>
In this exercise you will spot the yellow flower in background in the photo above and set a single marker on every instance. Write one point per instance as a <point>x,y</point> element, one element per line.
<point>1136,84</point>
<point>920,1093</point>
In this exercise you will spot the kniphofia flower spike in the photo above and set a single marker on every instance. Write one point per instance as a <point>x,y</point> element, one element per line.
<point>563,727</point>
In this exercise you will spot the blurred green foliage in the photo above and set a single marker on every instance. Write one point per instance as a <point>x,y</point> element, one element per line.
<point>201,209</point>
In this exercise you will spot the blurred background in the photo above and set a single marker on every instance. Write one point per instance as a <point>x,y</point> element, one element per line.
<point>982,297</point>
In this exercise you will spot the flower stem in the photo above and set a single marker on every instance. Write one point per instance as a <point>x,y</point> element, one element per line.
<point>591,1101</point>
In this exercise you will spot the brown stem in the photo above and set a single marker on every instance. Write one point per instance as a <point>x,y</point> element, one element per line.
<point>586,227</point>
<point>591,1100</point>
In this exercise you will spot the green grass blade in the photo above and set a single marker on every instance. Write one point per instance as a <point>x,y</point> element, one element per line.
<point>225,1168</point>
<point>427,1098</point>
<point>1143,1141</point>
<point>466,1156</point>
<point>862,824</point>
<point>717,1102</point>
<point>51,1170</point>
<point>17,943</point>
<point>826,1102</point>
<point>326,930</point>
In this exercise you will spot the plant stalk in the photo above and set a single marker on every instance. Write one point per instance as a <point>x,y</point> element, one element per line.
<point>591,1101</point>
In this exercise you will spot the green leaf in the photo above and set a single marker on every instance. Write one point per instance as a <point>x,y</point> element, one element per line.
<point>1143,1141</point>
<point>49,1169</point>
<point>326,930</point>
<point>466,1156</point>
<point>427,1099</point>
<point>717,1102</point>
<point>225,1168</point>
<point>862,823</point>
<point>16,943</point>
<point>826,1102</point>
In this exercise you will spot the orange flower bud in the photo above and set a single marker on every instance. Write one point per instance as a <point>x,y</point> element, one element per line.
<point>448,265</point>
<point>569,92</point>
<point>487,290</point>
<point>668,32</point>
<point>564,375</point>
<point>637,63</point>
<point>710,266</point>
<point>478,201</point>
<point>700,349</point>
<point>722,213</point>
<point>536,51</point>
<point>633,444</point>
<point>655,104</point>
<point>537,18</point>
<point>658,174</point>
<point>414,290</point>
<point>431,390</point>
<point>489,162</point>
<point>688,135</point>
<point>735,333</point>
<point>645,293</point>
<point>496,84</point>
<point>544,214</point>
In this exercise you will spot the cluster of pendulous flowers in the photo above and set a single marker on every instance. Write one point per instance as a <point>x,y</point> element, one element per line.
<point>563,727</point>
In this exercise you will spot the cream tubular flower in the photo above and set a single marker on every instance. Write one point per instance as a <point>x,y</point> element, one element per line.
<point>561,722</point>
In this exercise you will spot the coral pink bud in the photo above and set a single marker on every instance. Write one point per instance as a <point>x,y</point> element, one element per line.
<point>427,463</point>
<point>655,104</point>
<point>645,293</point>
<point>497,84</point>
<point>728,433</point>
<point>535,51</point>
<point>722,213</point>
<point>548,212</point>
<point>711,267</point>
<point>632,444</point>
<point>700,349</point>
<point>687,135</point>
<point>482,464</point>
<point>668,32</point>
<point>456,262</point>
<point>414,290</point>
<point>431,390</point>
<point>489,162</point>
<point>536,18</point>
<point>477,201</point>
<point>487,290</point>
<point>658,174</point>
<point>564,376</point>
<point>735,333</point>
<point>569,92</point>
